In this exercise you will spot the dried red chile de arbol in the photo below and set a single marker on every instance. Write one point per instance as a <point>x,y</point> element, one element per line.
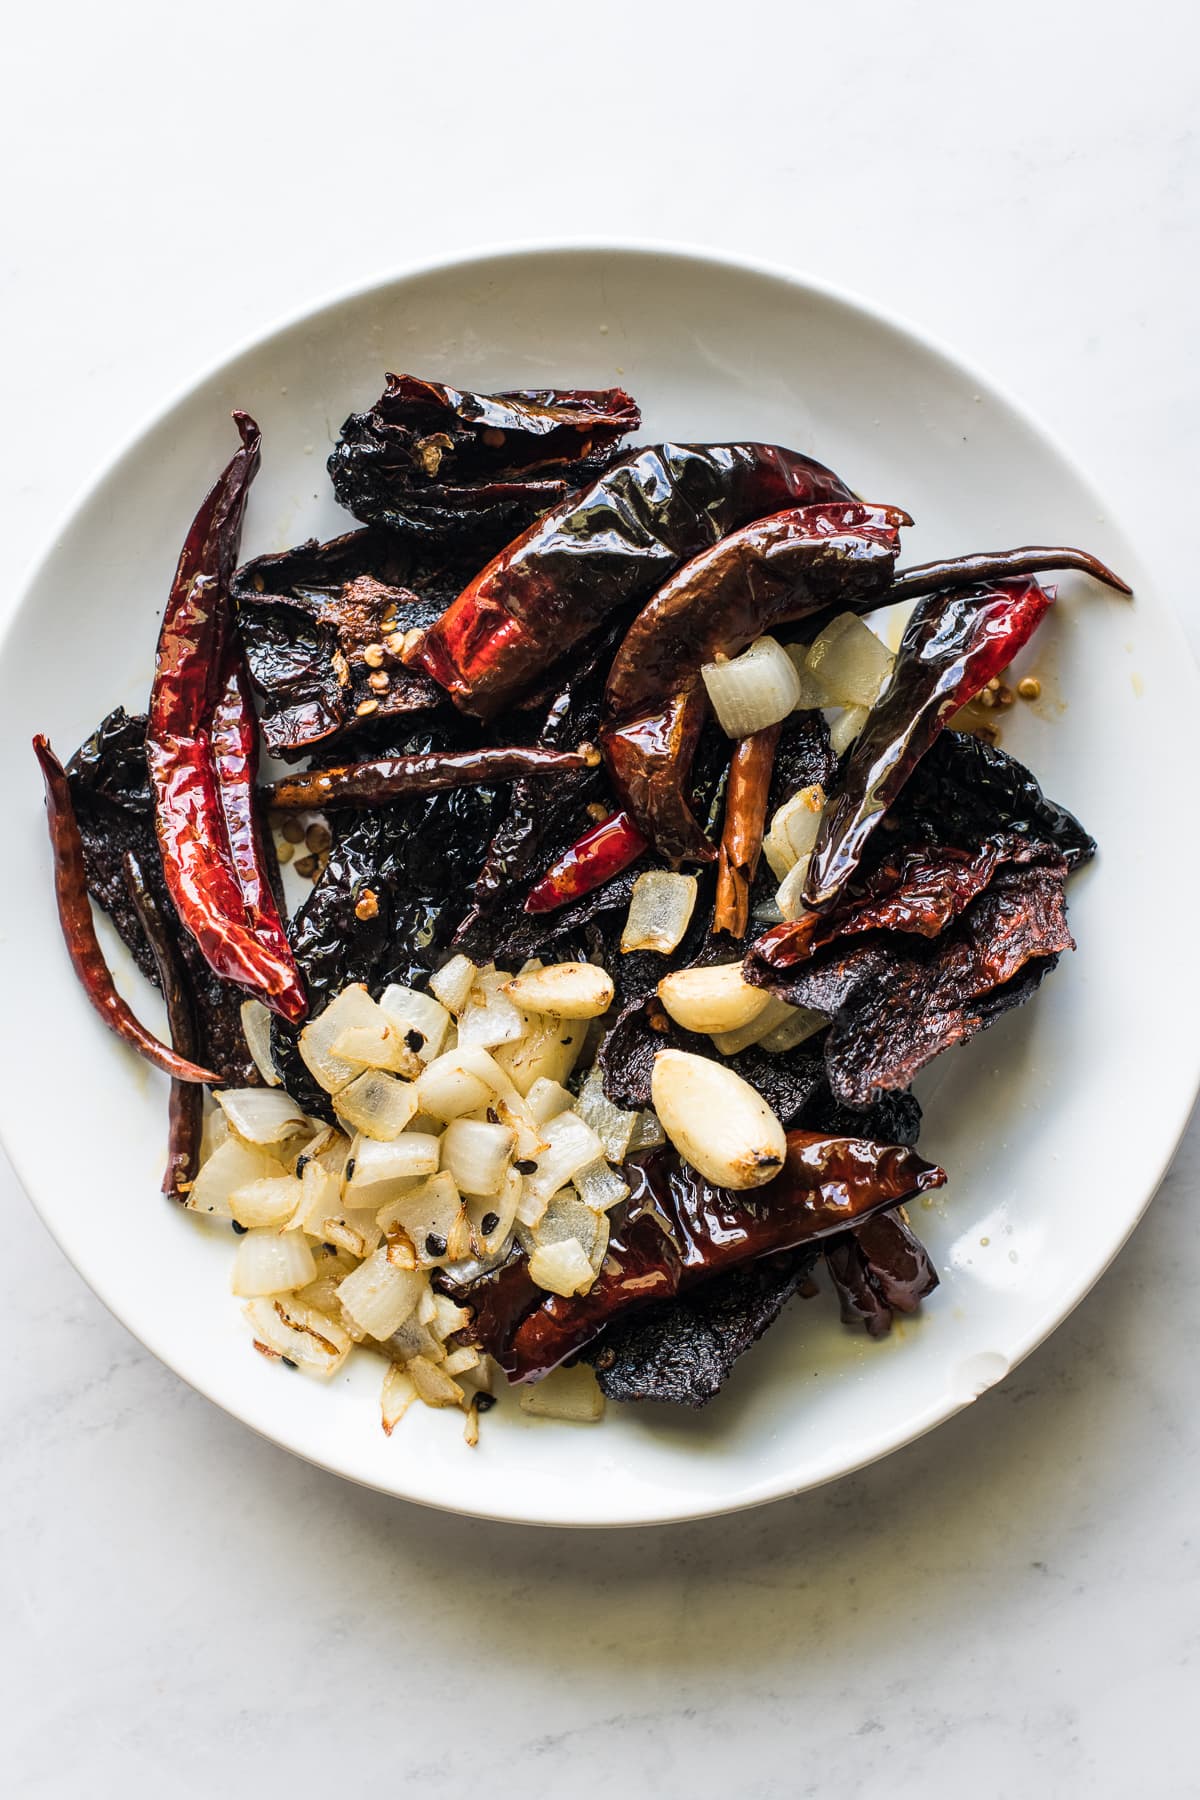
<point>384,779</point>
<point>677,1230</point>
<point>608,548</point>
<point>441,461</point>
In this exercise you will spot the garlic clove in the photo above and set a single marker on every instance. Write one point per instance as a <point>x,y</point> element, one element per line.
<point>716,1121</point>
<point>573,990</point>
<point>712,999</point>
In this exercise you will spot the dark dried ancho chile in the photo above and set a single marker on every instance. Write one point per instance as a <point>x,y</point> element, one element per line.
<point>322,624</point>
<point>879,1269</point>
<point>442,461</point>
<point>965,790</point>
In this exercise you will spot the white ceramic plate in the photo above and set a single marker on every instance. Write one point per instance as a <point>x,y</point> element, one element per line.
<point>1055,1126</point>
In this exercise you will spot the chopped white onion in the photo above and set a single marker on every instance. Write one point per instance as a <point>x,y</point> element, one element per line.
<point>545,1098</point>
<point>320,1199</point>
<point>453,982</point>
<point>660,910</point>
<point>272,1262</point>
<point>789,895</point>
<point>377,1104</point>
<point>477,1155</point>
<point>447,1317</point>
<point>562,1268</point>
<point>803,1024</point>
<point>773,1014</point>
<point>428,1214</point>
<point>411,1156</point>
<point>489,1019</point>
<point>793,830</point>
<point>272,1200</point>
<point>812,695</point>
<point>414,1011</point>
<point>434,1387</point>
<point>500,1214</point>
<point>261,1115</point>
<point>751,691</point>
<point>378,1297</point>
<point>573,990</point>
<point>846,728</point>
<point>572,1395</point>
<point>599,1186</point>
<point>460,1361</point>
<point>647,1133</point>
<point>849,662</point>
<point>570,1145</point>
<point>352,1007</point>
<point>461,1081</point>
<point>513,1111</point>
<point>548,1052</point>
<point>712,998</point>
<point>717,1121</point>
<point>288,1327</point>
<point>611,1124</point>
<point>354,1229</point>
<point>377,1047</point>
<point>232,1165</point>
<point>256,1029</point>
<point>399,1392</point>
<point>414,1338</point>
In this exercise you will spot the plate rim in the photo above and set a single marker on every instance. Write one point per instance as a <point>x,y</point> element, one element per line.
<point>650,250</point>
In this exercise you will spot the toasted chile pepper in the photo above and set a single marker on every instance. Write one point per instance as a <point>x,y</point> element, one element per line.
<point>742,833</point>
<point>608,547</point>
<point>75,916</point>
<point>218,886</point>
<point>677,1229</point>
<point>953,645</point>
<point>995,565</point>
<point>234,737</point>
<point>879,1268</point>
<point>771,572</point>
<point>185,1104</point>
<point>592,860</point>
<point>399,777</point>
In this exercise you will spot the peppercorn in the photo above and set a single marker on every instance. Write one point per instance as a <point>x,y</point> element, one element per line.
<point>484,1402</point>
<point>435,1245</point>
<point>525,1165</point>
<point>240,1229</point>
<point>488,1223</point>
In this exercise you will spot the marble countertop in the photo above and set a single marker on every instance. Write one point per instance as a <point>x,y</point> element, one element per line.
<point>1006,1608</point>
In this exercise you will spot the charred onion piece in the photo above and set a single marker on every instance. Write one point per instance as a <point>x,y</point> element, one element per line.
<point>185,1103</point>
<point>79,931</point>
<point>608,547</point>
<point>995,565</point>
<point>399,777</point>
<point>742,834</point>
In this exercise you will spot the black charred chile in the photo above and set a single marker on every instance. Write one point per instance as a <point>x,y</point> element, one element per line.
<point>185,1102</point>
<point>879,1269</point>
<point>965,790</point>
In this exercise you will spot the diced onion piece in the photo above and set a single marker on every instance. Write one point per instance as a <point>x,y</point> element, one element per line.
<point>256,1029</point>
<point>789,895</point>
<point>414,1338</point>
<point>460,1081</point>
<point>647,1133</point>
<point>711,999</point>
<point>849,662</point>
<point>261,1115</point>
<point>573,990</point>
<point>307,1337</point>
<point>803,1024</point>
<point>377,1104</point>
<point>562,1268</point>
<point>548,1052</point>
<point>353,1229</point>
<point>434,1387</point>
<point>459,1361</point>
<point>477,1155</point>
<point>488,1019</point>
<point>412,1011</point>
<point>411,1156</point>
<point>453,982</point>
<point>717,1121</point>
<point>812,695</point>
<point>377,1047</point>
<point>570,1145</point>
<point>545,1098</point>
<point>232,1165</point>
<point>773,1014</point>
<point>599,1186</point>
<point>794,829</point>
<point>846,728</point>
<point>352,1007</point>
<point>320,1199</point>
<point>660,911</point>
<point>378,1297</point>
<point>214,1131</point>
<point>572,1395</point>
<point>611,1124</point>
<point>513,1111</point>
<point>446,1316</point>
<point>272,1262</point>
<point>751,691</point>
<point>429,1214</point>
<point>500,1214</point>
<point>272,1200</point>
<point>399,1392</point>
<point>567,1217</point>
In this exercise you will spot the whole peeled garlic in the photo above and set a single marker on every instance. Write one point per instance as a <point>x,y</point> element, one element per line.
<point>716,1121</point>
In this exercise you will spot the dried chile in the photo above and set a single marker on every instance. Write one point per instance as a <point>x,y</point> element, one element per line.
<point>185,1101</point>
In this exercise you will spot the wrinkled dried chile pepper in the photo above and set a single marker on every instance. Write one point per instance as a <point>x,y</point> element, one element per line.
<point>677,1229</point>
<point>388,778</point>
<point>439,460</point>
<point>79,931</point>
<point>953,645</point>
<point>218,886</point>
<point>742,834</point>
<point>185,1103</point>
<point>997,565</point>
<point>879,1268</point>
<point>771,572</point>
<point>595,858</point>
<point>606,548</point>
<point>234,745</point>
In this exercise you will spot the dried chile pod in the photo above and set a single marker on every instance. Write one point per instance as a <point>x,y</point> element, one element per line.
<point>385,779</point>
<point>185,1102</point>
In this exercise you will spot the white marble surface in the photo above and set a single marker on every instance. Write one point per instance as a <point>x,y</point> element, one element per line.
<point>1008,1608</point>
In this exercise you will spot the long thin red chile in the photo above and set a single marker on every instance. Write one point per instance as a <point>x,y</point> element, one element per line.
<point>203,876</point>
<point>185,1102</point>
<point>604,851</point>
<point>997,565</point>
<point>955,642</point>
<point>387,778</point>
<point>79,930</point>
